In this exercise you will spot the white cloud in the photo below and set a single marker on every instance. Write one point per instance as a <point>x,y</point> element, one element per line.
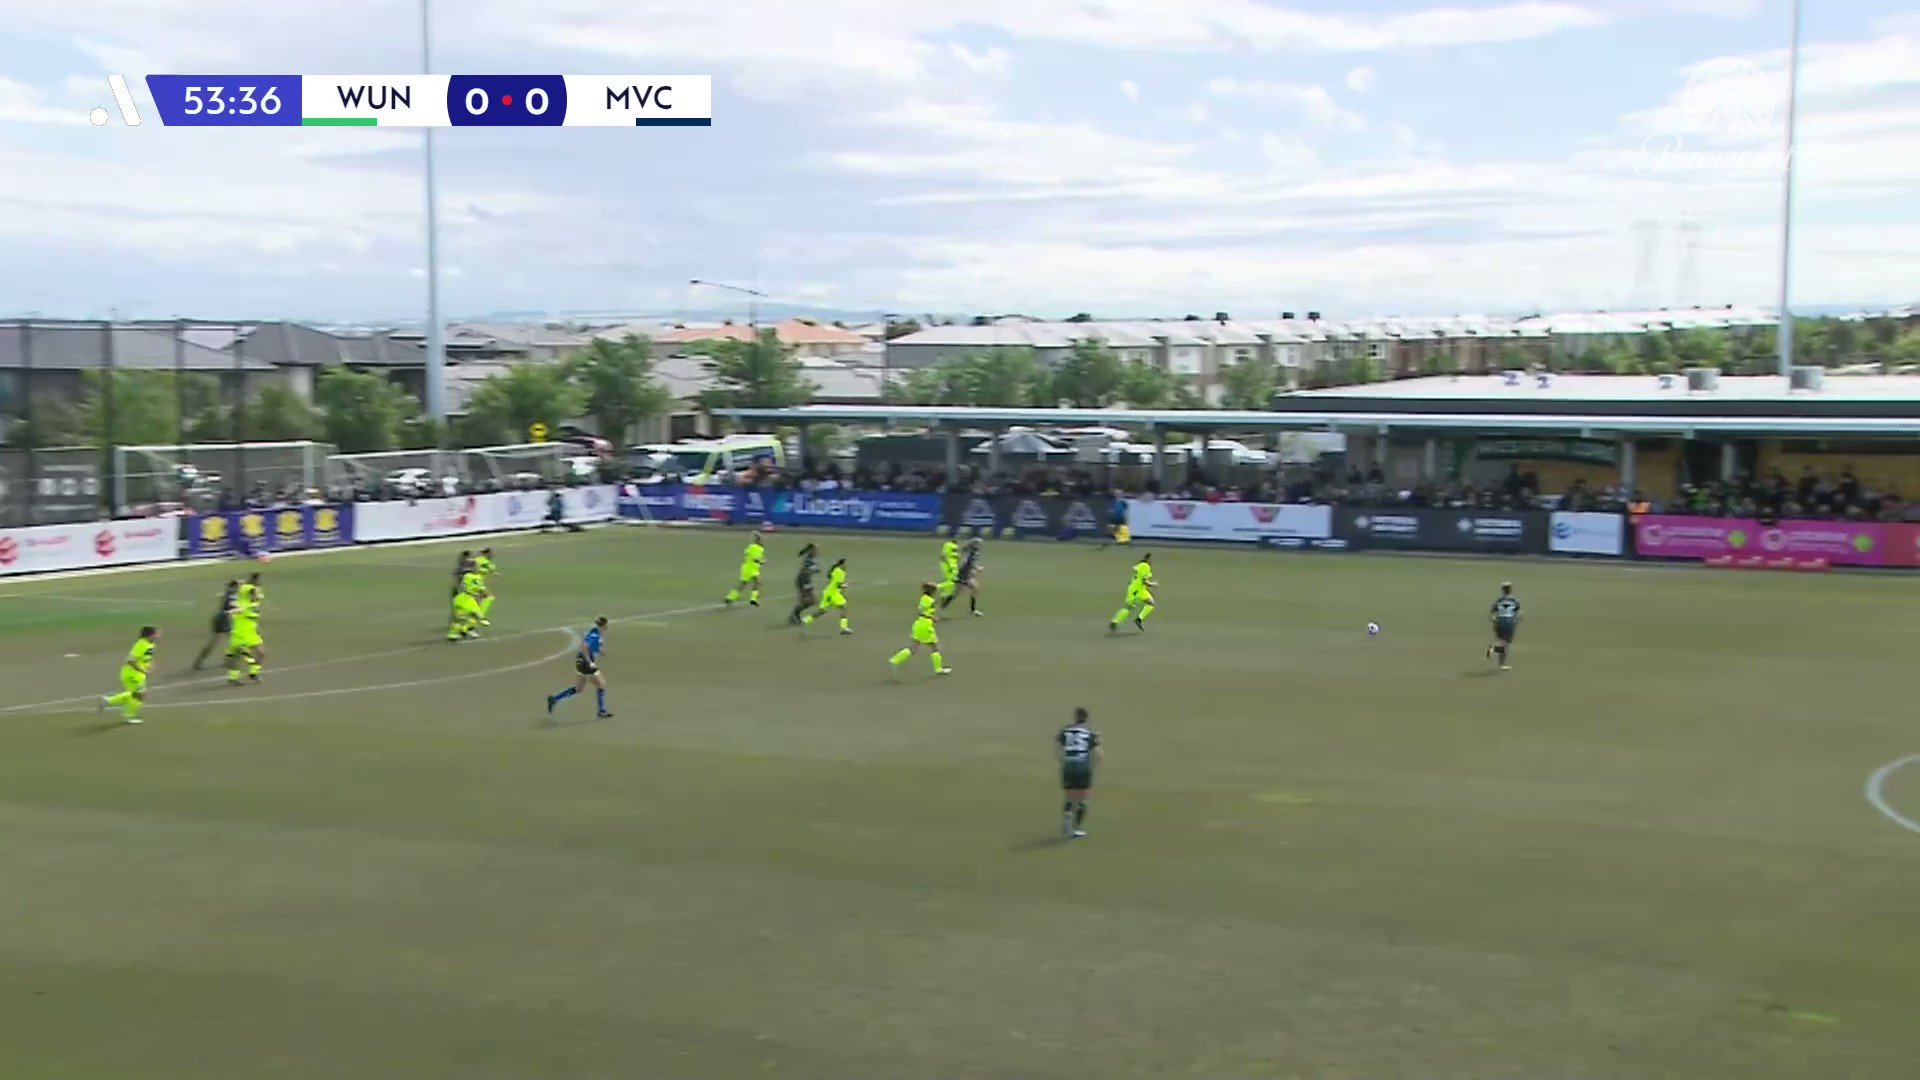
<point>23,104</point>
<point>990,61</point>
<point>1130,89</point>
<point>1289,157</point>
<point>1362,79</point>
<point>1314,102</point>
<point>1197,114</point>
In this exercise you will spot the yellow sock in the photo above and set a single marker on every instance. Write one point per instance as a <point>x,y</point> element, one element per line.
<point>754,596</point>
<point>1120,616</point>
<point>1146,611</point>
<point>938,663</point>
<point>132,708</point>
<point>732,595</point>
<point>807,619</point>
<point>845,625</point>
<point>900,657</point>
<point>486,606</point>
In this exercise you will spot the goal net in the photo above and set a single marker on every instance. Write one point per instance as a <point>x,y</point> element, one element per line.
<point>420,473</point>
<point>200,475</point>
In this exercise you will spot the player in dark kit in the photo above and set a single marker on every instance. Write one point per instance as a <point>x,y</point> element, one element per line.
<point>803,596</point>
<point>222,623</point>
<point>1506,621</point>
<point>586,670</point>
<point>1079,752</point>
<point>967,579</point>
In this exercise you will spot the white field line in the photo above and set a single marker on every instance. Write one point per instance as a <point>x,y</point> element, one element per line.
<point>1876,796</point>
<point>645,618</point>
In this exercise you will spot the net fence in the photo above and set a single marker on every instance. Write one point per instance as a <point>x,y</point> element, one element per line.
<point>206,476</point>
<point>415,473</point>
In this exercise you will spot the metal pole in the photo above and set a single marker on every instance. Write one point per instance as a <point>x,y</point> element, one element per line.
<point>106,411</point>
<point>180,382</point>
<point>30,501</point>
<point>436,339</point>
<point>239,416</point>
<point>1786,198</point>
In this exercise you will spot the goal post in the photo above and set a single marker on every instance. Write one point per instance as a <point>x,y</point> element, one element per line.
<point>518,467</point>
<point>195,476</point>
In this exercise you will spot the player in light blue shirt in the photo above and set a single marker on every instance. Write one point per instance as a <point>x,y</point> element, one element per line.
<point>586,669</point>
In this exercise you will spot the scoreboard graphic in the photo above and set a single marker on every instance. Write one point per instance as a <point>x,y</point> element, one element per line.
<point>432,101</point>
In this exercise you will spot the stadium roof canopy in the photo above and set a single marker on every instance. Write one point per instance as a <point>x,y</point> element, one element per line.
<point>1488,418</point>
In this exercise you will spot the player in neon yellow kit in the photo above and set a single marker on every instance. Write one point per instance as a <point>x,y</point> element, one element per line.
<point>923,635</point>
<point>133,677</point>
<point>750,561</point>
<point>1139,596</point>
<point>483,565</point>
<point>949,569</point>
<point>245,647</point>
<point>466,606</point>
<point>832,598</point>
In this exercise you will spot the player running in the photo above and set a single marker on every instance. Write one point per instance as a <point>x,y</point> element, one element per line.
<point>245,647</point>
<point>222,623</point>
<point>949,569</point>
<point>1079,751</point>
<point>133,677</point>
<point>833,598</point>
<point>586,669</point>
<point>923,635</point>
<point>803,597</point>
<point>1139,596</point>
<point>462,566</point>
<point>967,577</point>
<point>466,606</point>
<point>1505,616</point>
<point>483,565</point>
<point>750,561</point>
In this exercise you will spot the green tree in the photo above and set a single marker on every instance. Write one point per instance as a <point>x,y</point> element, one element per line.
<point>1656,352</point>
<point>1811,343</point>
<point>1186,397</point>
<point>127,407</point>
<point>1363,369</point>
<point>921,386</point>
<point>362,413</point>
<point>1147,386</point>
<point>1090,376</point>
<point>277,414</point>
<point>1003,377</point>
<point>617,378</point>
<point>1701,347</point>
<point>901,328</point>
<point>505,406</point>
<point>1906,349</point>
<point>1248,384</point>
<point>756,374</point>
<point>1515,357</point>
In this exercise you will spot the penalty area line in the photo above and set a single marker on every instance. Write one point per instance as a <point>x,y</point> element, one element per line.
<point>1876,793</point>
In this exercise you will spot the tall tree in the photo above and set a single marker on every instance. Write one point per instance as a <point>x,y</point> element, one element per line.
<point>1090,376</point>
<point>617,377</point>
<point>1005,377</point>
<point>1656,352</point>
<point>277,414</point>
<point>1906,349</point>
<point>128,407</point>
<point>1146,386</point>
<point>362,413</point>
<point>1700,347</point>
<point>505,406</point>
<point>756,374</point>
<point>901,328</point>
<point>1248,384</point>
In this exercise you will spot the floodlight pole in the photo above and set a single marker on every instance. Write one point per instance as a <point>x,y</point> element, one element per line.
<point>1785,333</point>
<point>436,336</point>
<point>754,296</point>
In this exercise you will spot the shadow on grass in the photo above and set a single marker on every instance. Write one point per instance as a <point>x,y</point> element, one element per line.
<point>1039,843</point>
<point>1480,673</point>
<point>99,727</point>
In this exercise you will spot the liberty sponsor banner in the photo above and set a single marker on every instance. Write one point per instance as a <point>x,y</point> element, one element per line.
<point>1017,516</point>
<point>1571,533</point>
<point>651,502</point>
<point>722,504</point>
<point>44,548</point>
<point>1424,529</point>
<point>1903,544</point>
<point>1183,519</point>
<point>894,511</point>
<point>291,528</point>
<point>1842,543</point>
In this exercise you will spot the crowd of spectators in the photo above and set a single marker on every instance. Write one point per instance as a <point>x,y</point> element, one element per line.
<point>1774,497</point>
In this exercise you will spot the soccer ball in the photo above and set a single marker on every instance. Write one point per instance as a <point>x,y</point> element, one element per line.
<point>1373,629</point>
<point>263,557</point>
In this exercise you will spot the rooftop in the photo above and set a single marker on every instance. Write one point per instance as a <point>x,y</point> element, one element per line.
<point>1495,389</point>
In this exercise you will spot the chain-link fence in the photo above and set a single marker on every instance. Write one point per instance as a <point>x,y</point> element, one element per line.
<point>75,394</point>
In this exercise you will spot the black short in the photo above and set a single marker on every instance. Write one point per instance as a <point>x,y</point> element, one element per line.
<point>1504,631</point>
<point>584,667</point>
<point>223,623</point>
<point>805,594</point>
<point>1076,775</point>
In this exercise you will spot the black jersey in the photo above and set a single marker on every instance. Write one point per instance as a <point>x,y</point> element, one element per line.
<point>228,598</point>
<point>809,568</point>
<point>970,566</point>
<point>1077,743</point>
<point>1506,610</point>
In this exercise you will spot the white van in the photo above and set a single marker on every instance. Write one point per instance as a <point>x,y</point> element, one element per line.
<point>711,461</point>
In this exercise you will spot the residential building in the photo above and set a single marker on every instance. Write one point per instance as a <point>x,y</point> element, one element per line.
<point>806,338</point>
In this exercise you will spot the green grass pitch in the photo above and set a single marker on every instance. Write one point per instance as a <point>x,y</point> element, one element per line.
<point>1643,854</point>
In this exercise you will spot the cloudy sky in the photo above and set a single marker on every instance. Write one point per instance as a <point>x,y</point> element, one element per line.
<point>1127,157</point>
